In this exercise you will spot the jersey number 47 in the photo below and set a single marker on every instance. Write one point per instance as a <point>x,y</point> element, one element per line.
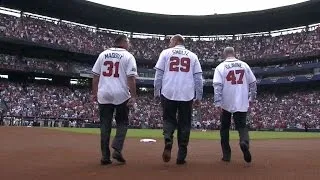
<point>232,76</point>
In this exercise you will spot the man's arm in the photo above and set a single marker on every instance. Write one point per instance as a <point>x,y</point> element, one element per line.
<point>132,86</point>
<point>252,91</point>
<point>95,83</point>
<point>198,82</point>
<point>160,68</point>
<point>96,70</point>
<point>158,82</point>
<point>131,79</point>
<point>218,94</point>
<point>252,84</point>
<point>218,87</point>
<point>197,78</point>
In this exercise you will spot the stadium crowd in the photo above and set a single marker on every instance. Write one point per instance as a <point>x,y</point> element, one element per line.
<point>28,64</point>
<point>60,34</point>
<point>272,110</point>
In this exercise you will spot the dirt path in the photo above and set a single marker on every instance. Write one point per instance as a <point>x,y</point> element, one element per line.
<point>35,153</point>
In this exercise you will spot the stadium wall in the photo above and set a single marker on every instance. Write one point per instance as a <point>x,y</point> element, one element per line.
<point>85,123</point>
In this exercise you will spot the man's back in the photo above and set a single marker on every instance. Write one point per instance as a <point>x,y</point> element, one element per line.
<point>113,66</point>
<point>179,65</point>
<point>235,77</point>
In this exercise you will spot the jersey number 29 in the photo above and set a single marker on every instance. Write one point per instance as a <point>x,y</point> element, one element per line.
<point>110,66</point>
<point>183,62</point>
<point>231,76</point>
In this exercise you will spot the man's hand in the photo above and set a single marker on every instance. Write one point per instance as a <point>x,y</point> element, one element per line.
<point>157,100</point>
<point>251,104</point>
<point>94,98</point>
<point>132,102</point>
<point>219,109</point>
<point>156,95</point>
<point>197,103</point>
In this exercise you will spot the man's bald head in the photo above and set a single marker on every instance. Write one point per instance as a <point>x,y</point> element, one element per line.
<point>229,52</point>
<point>176,40</point>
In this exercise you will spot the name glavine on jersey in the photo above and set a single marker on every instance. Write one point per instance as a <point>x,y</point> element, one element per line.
<point>232,65</point>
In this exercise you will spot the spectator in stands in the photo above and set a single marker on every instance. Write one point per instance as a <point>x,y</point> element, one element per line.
<point>272,110</point>
<point>87,40</point>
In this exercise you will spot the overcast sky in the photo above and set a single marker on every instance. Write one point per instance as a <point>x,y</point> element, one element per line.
<point>196,7</point>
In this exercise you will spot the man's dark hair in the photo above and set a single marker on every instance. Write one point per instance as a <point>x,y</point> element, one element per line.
<point>119,39</point>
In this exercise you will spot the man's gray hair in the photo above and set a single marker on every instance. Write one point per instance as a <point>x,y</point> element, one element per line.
<point>179,38</point>
<point>229,51</point>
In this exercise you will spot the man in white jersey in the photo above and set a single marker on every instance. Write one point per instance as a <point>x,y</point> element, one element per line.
<point>114,86</point>
<point>178,80</point>
<point>234,86</point>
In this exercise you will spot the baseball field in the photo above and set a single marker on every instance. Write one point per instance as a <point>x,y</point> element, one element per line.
<point>73,153</point>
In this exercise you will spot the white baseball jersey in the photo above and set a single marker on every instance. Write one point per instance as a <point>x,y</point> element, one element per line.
<point>113,66</point>
<point>235,76</point>
<point>179,65</point>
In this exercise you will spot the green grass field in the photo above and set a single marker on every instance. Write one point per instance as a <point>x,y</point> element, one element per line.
<point>208,135</point>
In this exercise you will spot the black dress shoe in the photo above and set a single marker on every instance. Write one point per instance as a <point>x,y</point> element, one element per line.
<point>105,161</point>
<point>226,159</point>
<point>246,153</point>
<point>166,155</point>
<point>118,156</point>
<point>181,161</point>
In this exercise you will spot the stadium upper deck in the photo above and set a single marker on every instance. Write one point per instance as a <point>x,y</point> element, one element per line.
<point>87,40</point>
<point>285,45</point>
<point>97,15</point>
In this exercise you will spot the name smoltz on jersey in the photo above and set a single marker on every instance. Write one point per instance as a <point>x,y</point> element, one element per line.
<point>179,65</point>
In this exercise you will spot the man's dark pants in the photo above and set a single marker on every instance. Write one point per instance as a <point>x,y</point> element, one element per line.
<point>182,123</point>
<point>1,119</point>
<point>240,119</point>
<point>122,121</point>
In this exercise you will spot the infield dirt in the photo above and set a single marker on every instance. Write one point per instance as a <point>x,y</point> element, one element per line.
<point>38,153</point>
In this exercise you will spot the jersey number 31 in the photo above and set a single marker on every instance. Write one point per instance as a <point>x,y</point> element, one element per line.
<point>110,66</point>
<point>231,76</point>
